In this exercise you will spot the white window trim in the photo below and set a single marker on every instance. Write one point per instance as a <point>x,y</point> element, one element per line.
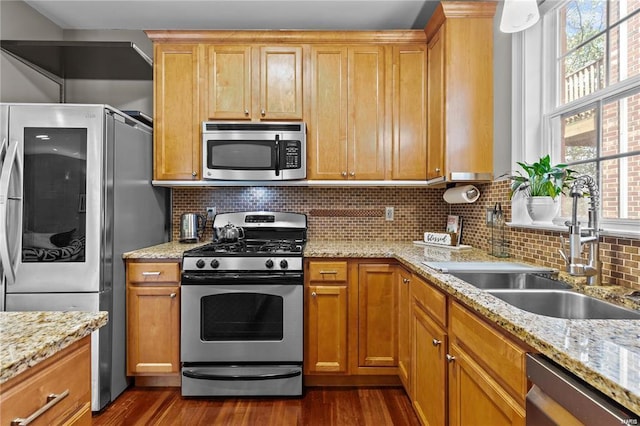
<point>531,131</point>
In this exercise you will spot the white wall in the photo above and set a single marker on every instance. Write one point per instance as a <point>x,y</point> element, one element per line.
<point>501,98</point>
<point>19,83</point>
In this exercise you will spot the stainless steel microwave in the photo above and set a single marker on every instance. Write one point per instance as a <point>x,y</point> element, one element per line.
<point>254,151</point>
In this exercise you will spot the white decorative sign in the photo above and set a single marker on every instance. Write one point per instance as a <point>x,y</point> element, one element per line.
<point>438,238</point>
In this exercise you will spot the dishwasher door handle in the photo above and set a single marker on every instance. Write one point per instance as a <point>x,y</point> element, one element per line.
<point>558,397</point>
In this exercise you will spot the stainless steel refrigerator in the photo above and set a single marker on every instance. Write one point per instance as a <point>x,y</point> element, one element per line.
<point>76,193</point>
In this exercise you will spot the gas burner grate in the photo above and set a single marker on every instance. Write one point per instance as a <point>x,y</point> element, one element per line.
<point>280,246</point>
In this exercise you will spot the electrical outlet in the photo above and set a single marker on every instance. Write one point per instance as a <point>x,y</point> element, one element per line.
<point>211,211</point>
<point>388,213</point>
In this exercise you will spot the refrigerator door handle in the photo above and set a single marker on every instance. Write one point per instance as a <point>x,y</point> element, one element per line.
<point>11,158</point>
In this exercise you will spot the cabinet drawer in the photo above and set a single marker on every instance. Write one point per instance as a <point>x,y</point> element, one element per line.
<point>68,372</point>
<point>153,272</point>
<point>328,271</point>
<point>503,358</point>
<point>434,301</point>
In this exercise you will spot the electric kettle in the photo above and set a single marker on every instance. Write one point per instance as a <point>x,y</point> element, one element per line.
<point>191,227</point>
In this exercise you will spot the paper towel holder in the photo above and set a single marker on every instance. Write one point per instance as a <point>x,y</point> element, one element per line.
<point>461,194</point>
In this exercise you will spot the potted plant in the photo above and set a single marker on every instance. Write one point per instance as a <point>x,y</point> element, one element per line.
<point>541,185</point>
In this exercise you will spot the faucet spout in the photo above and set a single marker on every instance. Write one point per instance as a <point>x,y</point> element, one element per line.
<point>588,236</point>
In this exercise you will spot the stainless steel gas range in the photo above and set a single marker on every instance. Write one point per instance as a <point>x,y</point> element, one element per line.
<point>242,307</point>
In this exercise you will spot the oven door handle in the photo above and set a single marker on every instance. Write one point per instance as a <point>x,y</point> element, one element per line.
<point>238,279</point>
<point>233,377</point>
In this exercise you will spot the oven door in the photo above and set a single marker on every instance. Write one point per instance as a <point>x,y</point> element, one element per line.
<point>229,323</point>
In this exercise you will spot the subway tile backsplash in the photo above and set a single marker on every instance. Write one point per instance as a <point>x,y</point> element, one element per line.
<point>358,214</point>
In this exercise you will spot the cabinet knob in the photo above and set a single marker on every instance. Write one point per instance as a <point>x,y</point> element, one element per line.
<point>313,294</point>
<point>246,112</point>
<point>263,112</point>
<point>194,174</point>
<point>344,174</point>
<point>352,174</point>
<point>172,295</point>
<point>436,342</point>
<point>437,169</point>
<point>406,280</point>
<point>450,358</point>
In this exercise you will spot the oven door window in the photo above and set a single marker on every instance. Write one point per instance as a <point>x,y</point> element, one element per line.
<point>241,317</point>
<point>241,154</point>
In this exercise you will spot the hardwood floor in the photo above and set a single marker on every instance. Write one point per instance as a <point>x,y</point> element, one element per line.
<point>319,406</point>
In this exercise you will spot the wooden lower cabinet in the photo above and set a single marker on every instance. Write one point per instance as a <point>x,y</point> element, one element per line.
<point>404,327</point>
<point>429,373</point>
<point>377,316</point>
<point>66,376</point>
<point>153,319</point>
<point>475,398</point>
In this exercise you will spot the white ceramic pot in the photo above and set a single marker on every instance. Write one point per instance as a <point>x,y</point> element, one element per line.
<point>543,209</point>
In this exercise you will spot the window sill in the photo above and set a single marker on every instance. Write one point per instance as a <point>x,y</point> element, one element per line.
<point>619,233</point>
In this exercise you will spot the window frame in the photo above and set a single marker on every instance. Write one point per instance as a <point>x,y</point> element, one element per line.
<point>535,91</point>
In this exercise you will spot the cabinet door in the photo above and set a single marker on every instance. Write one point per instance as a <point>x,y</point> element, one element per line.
<point>409,148</point>
<point>377,316</point>
<point>429,369</point>
<point>404,328</point>
<point>229,79</point>
<point>326,335</point>
<point>153,330</point>
<point>475,398</point>
<point>327,132</point>
<point>366,105</point>
<point>281,83</point>
<point>176,112</point>
<point>435,106</point>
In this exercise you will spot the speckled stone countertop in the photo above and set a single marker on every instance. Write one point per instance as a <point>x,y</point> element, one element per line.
<point>27,338</point>
<point>169,251</point>
<point>604,353</point>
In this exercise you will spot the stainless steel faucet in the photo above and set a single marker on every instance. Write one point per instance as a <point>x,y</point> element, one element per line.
<point>578,237</point>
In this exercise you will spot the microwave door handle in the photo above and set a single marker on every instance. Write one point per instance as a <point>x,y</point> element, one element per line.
<point>11,158</point>
<point>277,155</point>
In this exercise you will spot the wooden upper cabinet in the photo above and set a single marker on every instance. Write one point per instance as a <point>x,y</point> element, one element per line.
<point>346,127</point>
<point>327,132</point>
<point>177,112</point>
<point>254,83</point>
<point>435,135</point>
<point>281,83</point>
<point>229,79</point>
<point>409,149</point>
<point>366,113</point>
<point>460,90</point>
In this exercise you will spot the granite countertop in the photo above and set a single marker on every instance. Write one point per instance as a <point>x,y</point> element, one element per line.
<point>27,338</point>
<point>168,251</point>
<point>604,353</point>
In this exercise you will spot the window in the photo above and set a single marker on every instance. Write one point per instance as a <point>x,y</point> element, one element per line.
<point>592,109</point>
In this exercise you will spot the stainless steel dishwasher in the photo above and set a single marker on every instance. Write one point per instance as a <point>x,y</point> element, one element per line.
<point>559,398</point>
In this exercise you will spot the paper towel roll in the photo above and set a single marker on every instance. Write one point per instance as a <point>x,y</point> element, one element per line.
<point>461,194</point>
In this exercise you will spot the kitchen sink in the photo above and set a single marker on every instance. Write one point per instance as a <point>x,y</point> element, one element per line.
<point>513,280</point>
<point>563,304</point>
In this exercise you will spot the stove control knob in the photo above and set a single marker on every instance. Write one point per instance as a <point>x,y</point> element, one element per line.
<point>269,263</point>
<point>215,263</point>
<point>200,263</point>
<point>284,264</point>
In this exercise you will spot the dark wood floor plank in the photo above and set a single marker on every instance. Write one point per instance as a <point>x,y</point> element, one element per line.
<point>323,406</point>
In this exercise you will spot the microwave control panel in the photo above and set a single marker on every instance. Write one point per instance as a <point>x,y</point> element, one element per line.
<point>292,154</point>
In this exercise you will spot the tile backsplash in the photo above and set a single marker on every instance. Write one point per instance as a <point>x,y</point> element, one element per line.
<point>359,214</point>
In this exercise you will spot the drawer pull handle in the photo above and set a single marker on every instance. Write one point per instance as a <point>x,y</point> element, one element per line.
<point>436,342</point>
<point>328,272</point>
<point>151,274</point>
<point>52,400</point>
<point>450,358</point>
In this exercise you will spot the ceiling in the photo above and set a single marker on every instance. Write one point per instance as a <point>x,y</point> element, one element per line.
<point>236,14</point>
